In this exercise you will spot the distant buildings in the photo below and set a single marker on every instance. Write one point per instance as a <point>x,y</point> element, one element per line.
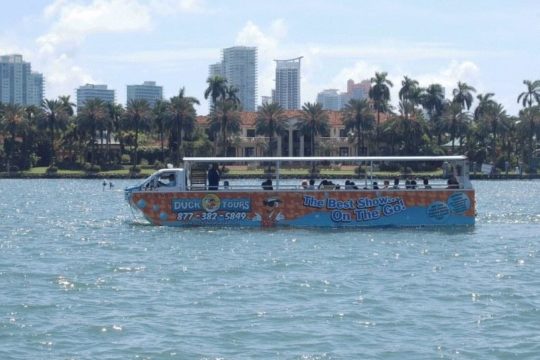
<point>91,91</point>
<point>288,83</point>
<point>239,66</point>
<point>331,99</point>
<point>216,70</point>
<point>18,84</point>
<point>148,91</point>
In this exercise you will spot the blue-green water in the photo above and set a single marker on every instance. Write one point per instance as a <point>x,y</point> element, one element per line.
<point>80,279</point>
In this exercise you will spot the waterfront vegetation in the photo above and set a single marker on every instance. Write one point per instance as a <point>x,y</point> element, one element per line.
<point>109,140</point>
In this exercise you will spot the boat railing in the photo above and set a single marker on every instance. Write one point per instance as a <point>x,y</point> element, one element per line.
<point>335,187</point>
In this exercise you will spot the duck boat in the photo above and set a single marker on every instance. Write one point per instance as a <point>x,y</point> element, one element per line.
<point>183,196</point>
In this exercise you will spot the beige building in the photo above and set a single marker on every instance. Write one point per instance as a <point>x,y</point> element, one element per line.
<point>292,142</point>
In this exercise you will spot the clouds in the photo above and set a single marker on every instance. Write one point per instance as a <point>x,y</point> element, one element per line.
<point>72,23</point>
<point>173,41</point>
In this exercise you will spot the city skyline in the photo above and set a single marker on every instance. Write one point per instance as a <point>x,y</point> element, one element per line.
<point>120,42</point>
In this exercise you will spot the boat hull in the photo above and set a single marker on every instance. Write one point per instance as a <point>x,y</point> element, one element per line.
<point>311,208</point>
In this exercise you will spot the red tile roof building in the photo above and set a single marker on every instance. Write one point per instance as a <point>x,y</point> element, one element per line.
<point>292,142</point>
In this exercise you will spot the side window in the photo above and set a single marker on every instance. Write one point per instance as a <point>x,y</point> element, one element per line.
<point>167,179</point>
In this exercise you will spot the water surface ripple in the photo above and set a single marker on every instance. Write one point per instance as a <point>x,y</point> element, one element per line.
<point>82,279</point>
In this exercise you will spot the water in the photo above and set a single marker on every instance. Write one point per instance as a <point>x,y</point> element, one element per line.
<point>80,279</point>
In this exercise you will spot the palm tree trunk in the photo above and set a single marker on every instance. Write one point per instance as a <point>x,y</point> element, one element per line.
<point>93,139</point>
<point>162,146</point>
<point>52,142</point>
<point>178,139</point>
<point>136,148</point>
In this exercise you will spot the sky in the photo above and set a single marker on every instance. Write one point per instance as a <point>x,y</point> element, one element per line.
<point>492,45</point>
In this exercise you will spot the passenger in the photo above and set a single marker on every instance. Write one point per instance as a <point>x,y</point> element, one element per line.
<point>213,177</point>
<point>453,183</point>
<point>327,184</point>
<point>172,180</point>
<point>386,184</point>
<point>426,184</point>
<point>267,184</point>
<point>167,180</point>
<point>375,186</point>
<point>226,185</point>
<point>413,184</point>
<point>311,184</point>
<point>305,185</point>
<point>349,185</point>
<point>408,184</point>
<point>396,183</point>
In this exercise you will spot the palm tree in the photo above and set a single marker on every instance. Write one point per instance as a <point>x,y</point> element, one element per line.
<point>68,105</point>
<point>12,121</point>
<point>182,111</point>
<point>380,94</point>
<point>457,122</point>
<point>137,114</point>
<point>433,102</point>
<point>463,95</point>
<point>160,114</point>
<point>270,117</point>
<point>115,113</point>
<point>217,88</point>
<point>358,119</point>
<point>463,99</point>
<point>410,93</point>
<point>314,121</point>
<point>224,111</point>
<point>91,118</point>
<point>527,99</point>
<point>497,116</point>
<point>485,103</point>
<point>55,115</point>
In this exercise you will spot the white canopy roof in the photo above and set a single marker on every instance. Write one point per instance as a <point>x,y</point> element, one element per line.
<point>343,159</point>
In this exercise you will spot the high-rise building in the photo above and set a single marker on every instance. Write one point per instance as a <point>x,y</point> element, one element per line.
<point>18,84</point>
<point>239,67</point>
<point>148,91</point>
<point>91,91</point>
<point>358,91</point>
<point>288,83</point>
<point>330,99</point>
<point>215,70</point>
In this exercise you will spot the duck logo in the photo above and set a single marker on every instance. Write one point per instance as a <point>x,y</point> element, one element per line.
<point>211,203</point>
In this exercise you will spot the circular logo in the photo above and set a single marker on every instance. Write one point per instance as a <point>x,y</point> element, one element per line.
<point>211,202</point>
<point>438,211</point>
<point>459,203</point>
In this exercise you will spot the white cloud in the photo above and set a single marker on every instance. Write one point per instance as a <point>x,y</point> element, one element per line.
<point>168,7</point>
<point>464,71</point>
<point>77,21</point>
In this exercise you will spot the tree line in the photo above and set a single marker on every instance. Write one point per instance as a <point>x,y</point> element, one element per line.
<point>424,123</point>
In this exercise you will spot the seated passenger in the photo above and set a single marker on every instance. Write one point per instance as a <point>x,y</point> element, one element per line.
<point>426,184</point>
<point>413,184</point>
<point>267,184</point>
<point>326,184</point>
<point>311,184</point>
<point>305,185</point>
<point>453,183</point>
<point>386,184</point>
<point>396,183</point>
<point>375,186</point>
